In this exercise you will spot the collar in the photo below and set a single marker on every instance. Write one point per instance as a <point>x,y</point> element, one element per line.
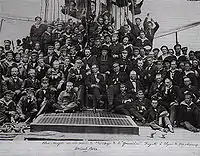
<point>32,98</point>
<point>132,80</point>
<point>14,77</point>
<point>189,72</point>
<point>3,100</point>
<point>88,56</point>
<point>47,32</point>
<point>143,39</point>
<point>37,26</point>
<point>184,103</point>
<point>169,87</point>
<point>126,46</point>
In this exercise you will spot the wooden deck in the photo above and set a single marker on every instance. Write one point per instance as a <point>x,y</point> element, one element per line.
<point>145,134</point>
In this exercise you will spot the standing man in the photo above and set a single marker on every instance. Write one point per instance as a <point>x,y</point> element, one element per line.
<point>37,30</point>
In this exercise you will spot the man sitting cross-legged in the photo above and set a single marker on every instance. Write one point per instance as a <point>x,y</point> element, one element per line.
<point>158,117</point>
<point>124,103</point>
<point>67,100</point>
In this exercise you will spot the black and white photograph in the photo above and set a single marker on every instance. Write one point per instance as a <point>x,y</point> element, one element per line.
<point>100,77</point>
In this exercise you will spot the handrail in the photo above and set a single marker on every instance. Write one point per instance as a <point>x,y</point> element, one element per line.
<point>178,29</point>
<point>11,17</point>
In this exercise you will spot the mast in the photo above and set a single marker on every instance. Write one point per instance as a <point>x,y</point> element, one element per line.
<point>1,24</point>
<point>46,10</point>
<point>133,11</point>
<point>177,38</point>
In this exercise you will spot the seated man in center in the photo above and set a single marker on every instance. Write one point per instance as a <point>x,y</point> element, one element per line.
<point>124,103</point>
<point>96,84</point>
<point>67,100</point>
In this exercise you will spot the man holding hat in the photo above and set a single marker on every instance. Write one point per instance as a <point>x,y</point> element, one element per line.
<point>67,100</point>
<point>7,108</point>
<point>135,28</point>
<point>149,28</point>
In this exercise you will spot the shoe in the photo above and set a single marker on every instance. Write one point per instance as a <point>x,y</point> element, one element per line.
<point>132,117</point>
<point>143,121</point>
<point>94,110</point>
<point>196,130</point>
<point>101,104</point>
<point>171,128</point>
<point>163,130</point>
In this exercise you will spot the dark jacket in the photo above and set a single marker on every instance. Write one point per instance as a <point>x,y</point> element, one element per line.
<point>92,80</point>
<point>153,114</point>
<point>105,64</point>
<point>36,33</point>
<point>29,83</point>
<point>172,95</point>
<point>27,107</point>
<point>189,113</point>
<point>73,72</point>
<point>176,77</point>
<point>50,62</point>
<point>50,96</point>
<point>41,71</point>
<point>10,84</point>
<point>117,78</point>
<point>131,89</point>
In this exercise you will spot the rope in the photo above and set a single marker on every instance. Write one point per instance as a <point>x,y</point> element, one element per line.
<point>46,11</point>
<point>115,16</point>
<point>120,10</point>
<point>1,25</point>
<point>41,7</point>
<point>51,10</point>
<point>54,10</point>
<point>67,10</point>
<point>59,9</point>
<point>133,11</point>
